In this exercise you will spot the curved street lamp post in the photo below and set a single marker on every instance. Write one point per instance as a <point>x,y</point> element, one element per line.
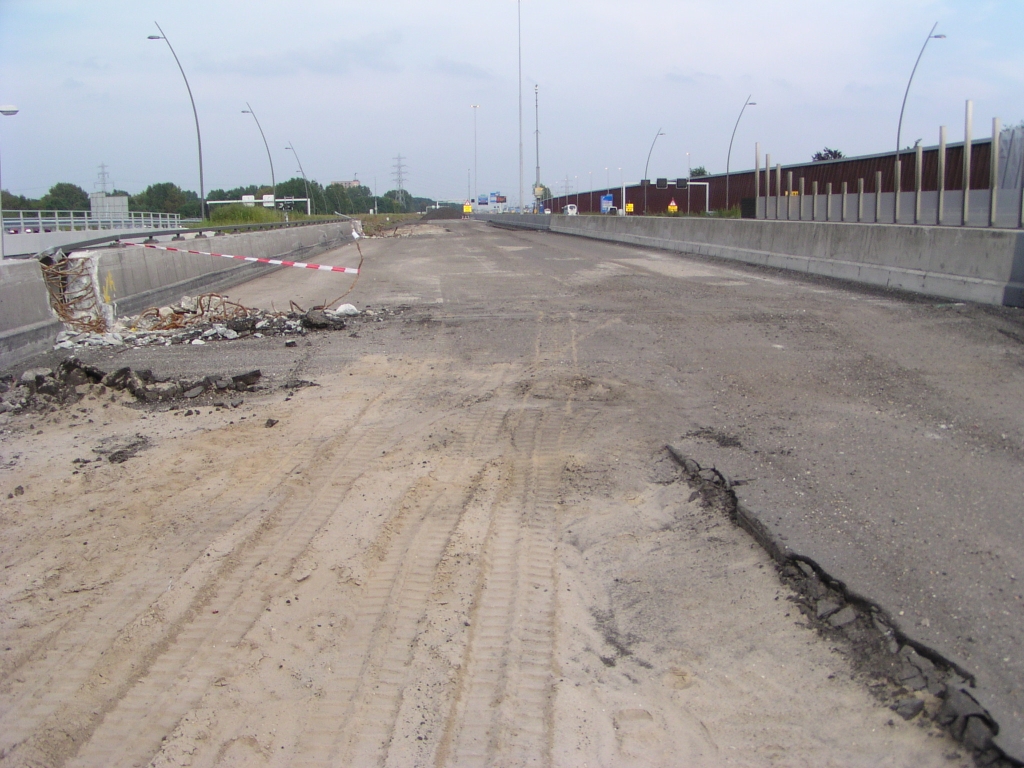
<point>689,175</point>
<point>899,125</point>
<point>647,181</point>
<point>728,157</point>
<point>195,114</point>
<point>305,181</point>
<point>273,181</point>
<point>476,188</point>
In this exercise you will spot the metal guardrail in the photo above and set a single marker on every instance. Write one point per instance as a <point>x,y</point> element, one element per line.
<point>30,222</point>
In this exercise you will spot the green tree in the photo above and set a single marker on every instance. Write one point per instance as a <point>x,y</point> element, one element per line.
<point>316,191</point>
<point>700,170</point>
<point>65,197</point>
<point>545,192</point>
<point>827,154</point>
<point>361,199</point>
<point>388,204</point>
<point>296,187</point>
<point>338,200</point>
<point>421,204</point>
<point>237,192</point>
<point>166,197</point>
<point>17,202</point>
<point>401,200</point>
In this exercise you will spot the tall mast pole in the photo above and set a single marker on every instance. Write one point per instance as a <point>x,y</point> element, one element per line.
<point>195,114</point>
<point>519,17</point>
<point>536,109</point>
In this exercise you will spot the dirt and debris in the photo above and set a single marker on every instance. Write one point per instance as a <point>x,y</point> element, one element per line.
<point>323,319</point>
<point>213,318</point>
<point>117,449</point>
<point>435,214</point>
<point>203,319</point>
<point>47,389</point>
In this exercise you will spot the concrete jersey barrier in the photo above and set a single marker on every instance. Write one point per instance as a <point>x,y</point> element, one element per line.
<point>128,279</point>
<point>982,265</point>
<point>132,279</point>
<point>28,325</point>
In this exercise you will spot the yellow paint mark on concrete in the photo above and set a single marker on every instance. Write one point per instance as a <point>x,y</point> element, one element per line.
<point>108,289</point>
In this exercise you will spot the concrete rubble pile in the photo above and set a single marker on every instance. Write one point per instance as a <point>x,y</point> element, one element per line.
<point>46,389</point>
<point>208,318</point>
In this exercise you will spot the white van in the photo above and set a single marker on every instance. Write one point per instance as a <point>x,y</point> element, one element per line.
<point>569,210</point>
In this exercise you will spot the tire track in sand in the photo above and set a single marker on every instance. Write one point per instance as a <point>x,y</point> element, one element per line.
<point>60,662</point>
<point>502,713</point>
<point>354,718</point>
<point>116,710</point>
<point>197,648</point>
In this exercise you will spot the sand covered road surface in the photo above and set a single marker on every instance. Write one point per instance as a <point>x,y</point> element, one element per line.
<point>465,546</point>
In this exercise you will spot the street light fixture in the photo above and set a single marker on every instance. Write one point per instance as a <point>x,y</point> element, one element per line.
<point>689,177</point>
<point>899,127</point>
<point>647,181</point>
<point>536,184</point>
<point>305,181</point>
<point>195,114</point>
<point>747,103</point>
<point>519,27</point>
<point>273,181</point>
<point>476,188</point>
<point>7,110</point>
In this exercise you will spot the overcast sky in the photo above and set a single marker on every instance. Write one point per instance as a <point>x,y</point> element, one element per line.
<point>353,84</point>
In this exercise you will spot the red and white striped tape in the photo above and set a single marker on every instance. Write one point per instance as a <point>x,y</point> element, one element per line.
<point>278,262</point>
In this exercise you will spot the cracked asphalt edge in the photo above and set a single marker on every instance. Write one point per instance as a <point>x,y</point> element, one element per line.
<point>912,678</point>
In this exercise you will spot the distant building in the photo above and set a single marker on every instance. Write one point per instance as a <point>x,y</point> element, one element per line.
<point>348,184</point>
<point>104,206</point>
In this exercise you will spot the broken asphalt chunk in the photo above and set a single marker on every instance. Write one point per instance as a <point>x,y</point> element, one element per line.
<point>909,708</point>
<point>826,608</point>
<point>248,379</point>
<point>124,378</point>
<point>166,390</point>
<point>318,319</point>
<point>843,617</point>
